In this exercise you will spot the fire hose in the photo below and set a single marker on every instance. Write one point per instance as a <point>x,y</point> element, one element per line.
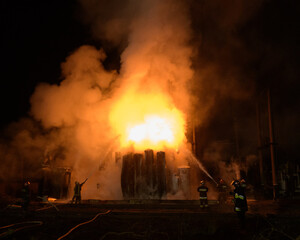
<point>45,199</point>
<point>83,223</point>
<point>11,231</point>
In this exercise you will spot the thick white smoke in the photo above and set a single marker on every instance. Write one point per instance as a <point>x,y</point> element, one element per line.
<point>156,60</point>
<point>78,110</point>
<point>74,115</point>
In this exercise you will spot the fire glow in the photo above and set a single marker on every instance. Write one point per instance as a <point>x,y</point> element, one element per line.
<point>155,129</point>
<point>147,121</point>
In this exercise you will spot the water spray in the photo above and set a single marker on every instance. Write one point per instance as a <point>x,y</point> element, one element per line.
<point>195,160</point>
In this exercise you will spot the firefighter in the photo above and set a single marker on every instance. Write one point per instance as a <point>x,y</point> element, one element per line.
<point>240,201</point>
<point>25,195</point>
<point>202,189</point>
<point>77,192</point>
<point>222,187</point>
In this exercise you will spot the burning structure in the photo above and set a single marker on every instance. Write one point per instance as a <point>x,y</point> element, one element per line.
<point>143,104</point>
<point>143,176</point>
<point>149,177</point>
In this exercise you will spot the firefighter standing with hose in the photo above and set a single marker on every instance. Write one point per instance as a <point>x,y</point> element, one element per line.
<point>77,192</point>
<point>202,189</point>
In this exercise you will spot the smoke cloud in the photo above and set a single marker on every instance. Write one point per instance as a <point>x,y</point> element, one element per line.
<point>223,63</point>
<point>74,116</point>
<point>71,121</point>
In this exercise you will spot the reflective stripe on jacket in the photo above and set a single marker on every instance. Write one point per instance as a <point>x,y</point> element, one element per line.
<point>202,191</point>
<point>237,209</point>
<point>236,195</point>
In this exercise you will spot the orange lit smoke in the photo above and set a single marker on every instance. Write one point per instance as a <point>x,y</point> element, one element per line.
<point>145,121</point>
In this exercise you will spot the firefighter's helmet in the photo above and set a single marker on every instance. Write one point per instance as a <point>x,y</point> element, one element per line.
<point>26,183</point>
<point>235,183</point>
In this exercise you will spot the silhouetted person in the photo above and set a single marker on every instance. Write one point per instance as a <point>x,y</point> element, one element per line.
<point>240,201</point>
<point>25,195</point>
<point>222,188</point>
<point>77,192</point>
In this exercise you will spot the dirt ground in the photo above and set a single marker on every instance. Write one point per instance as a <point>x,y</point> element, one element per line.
<point>161,220</point>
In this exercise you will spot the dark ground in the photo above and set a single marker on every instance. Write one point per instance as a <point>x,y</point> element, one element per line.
<point>152,220</point>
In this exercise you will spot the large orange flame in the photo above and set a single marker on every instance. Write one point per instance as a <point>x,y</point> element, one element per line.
<point>147,121</point>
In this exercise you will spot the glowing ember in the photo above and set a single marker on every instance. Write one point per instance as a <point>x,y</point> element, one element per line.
<point>147,121</point>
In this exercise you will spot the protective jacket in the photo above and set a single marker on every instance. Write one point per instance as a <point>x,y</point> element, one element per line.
<point>203,195</point>
<point>203,192</point>
<point>240,201</point>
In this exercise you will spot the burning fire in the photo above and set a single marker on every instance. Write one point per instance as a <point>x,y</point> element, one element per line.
<point>147,121</point>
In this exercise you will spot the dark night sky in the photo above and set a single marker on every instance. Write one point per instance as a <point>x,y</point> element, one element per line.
<point>37,36</point>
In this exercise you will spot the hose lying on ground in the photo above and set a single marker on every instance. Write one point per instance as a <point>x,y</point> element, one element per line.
<point>45,199</point>
<point>43,208</point>
<point>11,231</point>
<point>80,224</point>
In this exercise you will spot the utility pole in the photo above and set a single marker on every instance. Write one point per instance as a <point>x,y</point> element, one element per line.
<point>259,141</point>
<point>275,185</point>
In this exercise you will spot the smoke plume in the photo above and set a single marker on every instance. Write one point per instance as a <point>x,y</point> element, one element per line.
<point>72,122</point>
<point>74,116</point>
